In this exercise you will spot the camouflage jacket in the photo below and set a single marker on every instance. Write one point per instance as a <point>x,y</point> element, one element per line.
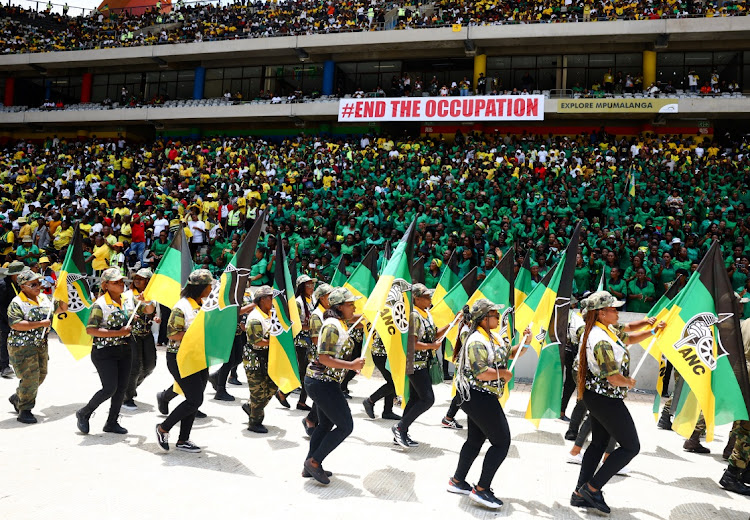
<point>425,330</point>
<point>182,316</point>
<point>484,352</point>
<point>23,309</point>
<point>106,314</point>
<point>333,341</point>
<point>142,321</point>
<point>607,355</point>
<point>258,327</point>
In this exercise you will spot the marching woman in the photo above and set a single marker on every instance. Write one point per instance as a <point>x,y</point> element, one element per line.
<point>603,383</point>
<point>142,347</point>
<point>29,319</point>
<point>316,323</point>
<point>421,396</point>
<point>110,353</point>
<point>302,342</point>
<point>323,383</point>
<point>481,375</point>
<point>387,391</point>
<point>184,312</point>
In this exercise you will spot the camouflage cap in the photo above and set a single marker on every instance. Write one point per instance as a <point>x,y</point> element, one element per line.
<point>200,277</point>
<point>144,273</point>
<point>600,300</point>
<point>303,278</point>
<point>322,290</point>
<point>341,295</point>
<point>482,307</point>
<point>27,276</point>
<point>15,267</point>
<point>262,292</point>
<point>420,289</point>
<point>112,274</point>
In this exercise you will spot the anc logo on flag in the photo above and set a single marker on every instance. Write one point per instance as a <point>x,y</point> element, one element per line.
<point>78,291</point>
<point>697,342</point>
<point>395,301</point>
<point>278,327</point>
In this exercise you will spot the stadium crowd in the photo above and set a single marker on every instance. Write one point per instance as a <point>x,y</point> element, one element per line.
<point>28,30</point>
<point>650,204</point>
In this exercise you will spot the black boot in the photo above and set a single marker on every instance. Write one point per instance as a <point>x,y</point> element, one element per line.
<point>82,417</point>
<point>26,417</point>
<point>114,427</point>
<point>665,421</point>
<point>731,481</point>
<point>214,380</point>
<point>729,448</point>
<point>223,395</point>
<point>693,444</point>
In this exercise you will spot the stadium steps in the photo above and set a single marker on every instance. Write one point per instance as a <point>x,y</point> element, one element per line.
<point>45,23</point>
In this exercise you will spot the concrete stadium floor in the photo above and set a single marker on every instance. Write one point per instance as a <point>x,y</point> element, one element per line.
<point>50,470</point>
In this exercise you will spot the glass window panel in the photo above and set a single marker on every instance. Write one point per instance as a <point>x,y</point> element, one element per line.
<point>698,58</point>
<point>629,60</point>
<point>524,62</point>
<point>670,59</point>
<point>234,72</point>
<point>498,62</point>
<point>213,89</point>
<point>213,74</point>
<point>548,61</point>
<point>578,60</point>
<point>252,72</point>
<point>602,60</point>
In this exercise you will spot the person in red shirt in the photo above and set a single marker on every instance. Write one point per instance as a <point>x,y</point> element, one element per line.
<point>138,238</point>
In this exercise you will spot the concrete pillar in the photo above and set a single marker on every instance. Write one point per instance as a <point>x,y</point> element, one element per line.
<point>649,68</point>
<point>10,90</point>
<point>199,82</point>
<point>329,71</point>
<point>86,82</point>
<point>480,67</point>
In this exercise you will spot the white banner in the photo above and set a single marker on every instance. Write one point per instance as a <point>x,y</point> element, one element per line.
<point>464,108</point>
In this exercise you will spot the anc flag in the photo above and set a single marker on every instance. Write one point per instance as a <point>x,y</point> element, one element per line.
<point>73,289</point>
<point>339,275</point>
<point>522,284</point>
<point>417,271</point>
<point>389,309</point>
<point>702,340</point>
<point>602,283</point>
<point>364,278</point>
<point>209,339</point>
<point>282,356</point>
<point>448,308</point>
<point>172,272</point>
<point>382,261</point>
<point>548,306</point>
<point>448,278</point>
<point>663,303</point>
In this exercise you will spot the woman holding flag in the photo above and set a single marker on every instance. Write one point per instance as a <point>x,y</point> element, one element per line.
<point>603,383</point>
<point>316,323</point>
<point>481,374</point>
<point>421,396</point>
<point>323,383</point>
<point>111,352</point>
<point>184,312</point>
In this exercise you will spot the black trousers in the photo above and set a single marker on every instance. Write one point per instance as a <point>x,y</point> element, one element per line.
<point>4,356</point>
<point>454,406</point>
<point>609,418</point>
<point>356,352</point>
<point>387,391</point>
<point>164,312</point>
<point>113,365</point>
<point>143,356</point>
<point>235,358</point>
<point>421,398</point>
<point>193,387</point>
<point>486,421</point>
<point>570,381</point>
<point>333,410</point>
<point>302,369</point>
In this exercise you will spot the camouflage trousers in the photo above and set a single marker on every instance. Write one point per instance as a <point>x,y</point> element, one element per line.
<point>740,457</point>
<point>262,389</point>
<point>700,426</point>
<point>30,364</point>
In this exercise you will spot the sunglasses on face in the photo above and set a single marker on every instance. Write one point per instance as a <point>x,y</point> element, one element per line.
<point>33,285</point>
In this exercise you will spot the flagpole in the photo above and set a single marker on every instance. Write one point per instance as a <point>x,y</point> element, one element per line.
<point>49,315</point>
<point>643,359</point>
<point>520,348</point>
<point>369,367</point>
<point>357,322</point>
<point>132,316</point>
<point>453,324</point>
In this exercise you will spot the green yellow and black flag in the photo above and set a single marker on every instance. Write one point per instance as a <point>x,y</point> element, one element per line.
<point>339,275</point>
<point>172,272</point>
<point>364,278</point>
<point>703,341</point>
<point>522,286</point>
<point>448,278</point>
<point>208,340</point>
<point>282,356</point>
<point>546,308</point>
<point>445,311</point>
<point>417,271</point>
<point>73,289</point>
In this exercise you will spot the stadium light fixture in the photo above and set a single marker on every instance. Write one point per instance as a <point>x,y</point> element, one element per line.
<point>302,54</point>
<point>470,48</point>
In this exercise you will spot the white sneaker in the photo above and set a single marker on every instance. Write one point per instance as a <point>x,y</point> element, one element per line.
<point>575,459</point>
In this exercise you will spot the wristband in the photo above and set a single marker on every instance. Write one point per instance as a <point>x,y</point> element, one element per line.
<point>653,332</point>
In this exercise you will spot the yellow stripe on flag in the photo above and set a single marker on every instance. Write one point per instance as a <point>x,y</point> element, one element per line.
<point>284,373</point>
<point>191,358</point>
<point>163,289</point>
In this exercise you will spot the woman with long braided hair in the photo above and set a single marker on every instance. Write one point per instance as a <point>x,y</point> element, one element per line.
<point>603,383</point>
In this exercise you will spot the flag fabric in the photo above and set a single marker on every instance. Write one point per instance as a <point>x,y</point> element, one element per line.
<point>417,271</point>
<point>389,309</point>
<point>382,262</point>
<point>522,281</point>
<point>702,340</point>
<point>631,183</point>
<point>172,272</point>
<point>363,279</point>
<point>601,285</point>
<point>548,306</point>
<point>448,278</point>
<point>282,356</point>
<point>209,339</point>
<point>339,275</point>
<point>73,289</point>
<point>448,308</point>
